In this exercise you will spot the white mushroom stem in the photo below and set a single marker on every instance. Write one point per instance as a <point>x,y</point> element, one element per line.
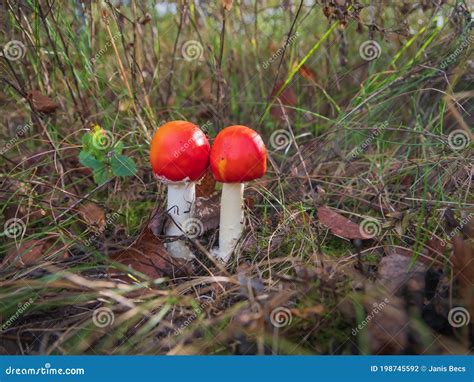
<point>181,197</point>
<point>231,219</point>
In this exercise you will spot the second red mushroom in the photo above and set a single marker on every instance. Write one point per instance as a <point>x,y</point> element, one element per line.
<point>238,155</point>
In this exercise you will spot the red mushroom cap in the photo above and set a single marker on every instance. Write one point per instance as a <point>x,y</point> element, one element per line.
<point>179,151</point>
<point>238,155</point>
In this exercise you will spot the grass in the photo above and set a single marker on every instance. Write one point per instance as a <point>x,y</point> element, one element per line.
<point>320,97</point>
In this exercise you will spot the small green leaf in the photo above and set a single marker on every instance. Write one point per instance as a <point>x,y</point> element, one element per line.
<point>86,141</point>
<point>88,160</point>
<point>123,165</point>
<point>101,175</point>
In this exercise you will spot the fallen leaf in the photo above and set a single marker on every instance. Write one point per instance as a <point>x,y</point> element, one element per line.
<point>207,186</point>
<point>93,215</point>
<point>31,252</point>
<point>339,225</point>
<point>149,256</point>
<point>28,253</point>
<point>41,102</point>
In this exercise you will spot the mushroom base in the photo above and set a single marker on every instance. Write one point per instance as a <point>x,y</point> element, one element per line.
<point>181,198</point>
<point>231,220</point>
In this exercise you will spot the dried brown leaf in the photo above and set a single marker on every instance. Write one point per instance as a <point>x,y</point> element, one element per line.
<point>339,225</point>
<point>207,186</point>
<point>41,102</point>
<point>93,215</point>
<point>32,252</point>
<point>149,256</point>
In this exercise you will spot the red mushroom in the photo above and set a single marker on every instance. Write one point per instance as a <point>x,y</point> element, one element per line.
<point>179,156</point>
<point>238,155</point>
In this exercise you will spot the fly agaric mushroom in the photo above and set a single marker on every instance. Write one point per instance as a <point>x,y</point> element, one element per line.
<point>179,156</point>
<point>238,155</point>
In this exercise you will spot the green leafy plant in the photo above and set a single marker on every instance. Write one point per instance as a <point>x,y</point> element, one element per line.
<point>104,156</point>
